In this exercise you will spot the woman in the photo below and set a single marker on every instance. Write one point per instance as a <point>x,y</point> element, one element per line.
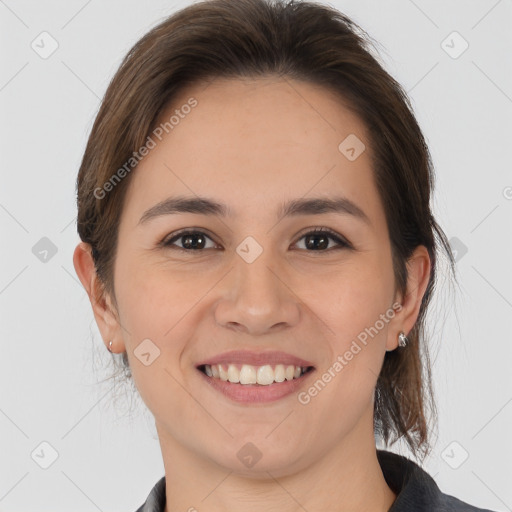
<point>257,241</point>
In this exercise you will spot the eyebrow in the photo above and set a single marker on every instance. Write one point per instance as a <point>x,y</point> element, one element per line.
<point>206,206</point>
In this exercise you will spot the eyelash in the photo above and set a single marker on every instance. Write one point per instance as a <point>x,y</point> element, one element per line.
<point>342,243</point>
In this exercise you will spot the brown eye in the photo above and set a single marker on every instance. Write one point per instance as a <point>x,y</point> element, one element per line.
<point>318,240</point>
<point>190,241</point>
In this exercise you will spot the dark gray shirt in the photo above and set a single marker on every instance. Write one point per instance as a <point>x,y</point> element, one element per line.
<point>415,489</point>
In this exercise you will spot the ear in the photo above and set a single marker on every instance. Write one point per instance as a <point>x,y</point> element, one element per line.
<point>101,302</point>
<point>418,275</point>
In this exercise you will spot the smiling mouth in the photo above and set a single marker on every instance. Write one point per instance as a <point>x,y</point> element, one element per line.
<point>249,375</point>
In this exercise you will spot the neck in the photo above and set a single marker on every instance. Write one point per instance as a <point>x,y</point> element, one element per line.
<point>347,477</point>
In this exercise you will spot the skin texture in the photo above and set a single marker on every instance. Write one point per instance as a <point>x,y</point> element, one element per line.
<point>253,144</point>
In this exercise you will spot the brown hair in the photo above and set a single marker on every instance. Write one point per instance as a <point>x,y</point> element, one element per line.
<point>302,41</point>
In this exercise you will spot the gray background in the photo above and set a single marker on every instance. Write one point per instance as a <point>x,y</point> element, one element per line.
<point>52,354</point>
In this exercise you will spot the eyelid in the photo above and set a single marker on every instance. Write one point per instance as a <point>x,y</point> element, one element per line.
<point>182,232</point>
<point>338,238</point>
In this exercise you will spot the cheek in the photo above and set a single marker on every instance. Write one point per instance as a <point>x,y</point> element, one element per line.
<point>152,299</point>
<point>356,309</point>
<point>355,341</point>
<point>150,308</point>
<point>352,300</point>
<point>158,314</point>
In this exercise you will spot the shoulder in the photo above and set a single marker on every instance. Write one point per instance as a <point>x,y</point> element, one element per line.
<point>155,502</point>
<point>416,489</point>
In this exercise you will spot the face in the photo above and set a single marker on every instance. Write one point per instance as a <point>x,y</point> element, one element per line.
<point>254,279</point>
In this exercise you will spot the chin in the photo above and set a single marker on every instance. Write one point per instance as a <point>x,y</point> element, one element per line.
<point>256,457</point>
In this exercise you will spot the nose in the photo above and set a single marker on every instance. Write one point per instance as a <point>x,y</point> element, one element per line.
<point>256,297</point>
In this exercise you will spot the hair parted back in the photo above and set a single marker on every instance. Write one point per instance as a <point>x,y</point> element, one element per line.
<point>302,41</point>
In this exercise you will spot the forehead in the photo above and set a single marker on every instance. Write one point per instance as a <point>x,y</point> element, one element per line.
<point>265,113</point>
<point>256,140</point>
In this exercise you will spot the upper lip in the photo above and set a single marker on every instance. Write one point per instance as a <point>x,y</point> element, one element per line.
<point>256,358</point>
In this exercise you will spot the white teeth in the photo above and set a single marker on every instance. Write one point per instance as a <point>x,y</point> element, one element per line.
<point>265,375</point>
<point>222,374</point>
<point>279,372</point>
<point>233,374</point>
<point>248,374</point>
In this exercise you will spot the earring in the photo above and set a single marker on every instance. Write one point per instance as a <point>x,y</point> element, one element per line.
<point>402,339</point>
<point>109,348</point>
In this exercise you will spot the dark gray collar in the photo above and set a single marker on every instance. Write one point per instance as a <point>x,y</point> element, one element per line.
<point>416,490</point>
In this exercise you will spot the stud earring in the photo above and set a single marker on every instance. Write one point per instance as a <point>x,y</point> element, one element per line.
<point>109,348</point>
<point>402,339</point>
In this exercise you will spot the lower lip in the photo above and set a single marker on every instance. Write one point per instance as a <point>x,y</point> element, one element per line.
<point>256,393</point>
